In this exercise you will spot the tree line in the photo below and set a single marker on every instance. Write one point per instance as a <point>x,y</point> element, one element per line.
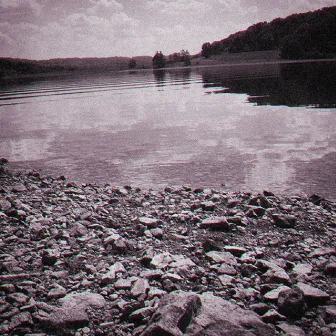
<point>306,35</point>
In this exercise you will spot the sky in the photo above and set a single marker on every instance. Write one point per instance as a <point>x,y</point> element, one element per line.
<point>44,29</point>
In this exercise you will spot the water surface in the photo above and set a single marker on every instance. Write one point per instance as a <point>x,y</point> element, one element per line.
<point>247,127</point>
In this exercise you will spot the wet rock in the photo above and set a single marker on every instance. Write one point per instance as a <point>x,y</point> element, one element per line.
<point>284,221</point>
<point>291,303</point>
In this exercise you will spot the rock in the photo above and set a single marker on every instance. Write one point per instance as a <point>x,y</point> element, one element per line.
<point>302,269</point>
<point>157,233</point>
<point>110,276</point>
<point>291,303</point>
<point>174,314</point>
<point>274,273</point>
<point>57,292</point>
<point>210,245</point>
<point>140,287</point>
<point>161,260</point>
<point>313,296</point>
<point>329,314</point>
<point>321,252</point>
<point>260,308</point>
<point>330,269</point>
<point>123,284</point>
<point>208,206</point>
<point>291,330</point>
<point>73,312</point>
<point>272,316</point>
<point>284,221</point>
<point>49,257</point>
<point>215,223</point>
<point>142,314</point>
<point>235,250</point>
<point>222,257</point>
<point>21,319</point>
<point>181,313</point>
<point>149,222</point>
<point>5,205</point>
<point>274,294</point>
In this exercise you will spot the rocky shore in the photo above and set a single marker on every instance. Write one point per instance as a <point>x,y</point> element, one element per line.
<point>106,260</point>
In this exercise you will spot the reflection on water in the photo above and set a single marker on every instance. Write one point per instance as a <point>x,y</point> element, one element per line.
<point>291,84</point>
<point>169,127</point>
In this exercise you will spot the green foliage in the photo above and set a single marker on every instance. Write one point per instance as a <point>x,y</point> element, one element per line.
<point>307,35</point>
<point>158,60</point>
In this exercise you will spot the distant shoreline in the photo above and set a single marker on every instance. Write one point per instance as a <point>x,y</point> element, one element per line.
<point>241,59</point>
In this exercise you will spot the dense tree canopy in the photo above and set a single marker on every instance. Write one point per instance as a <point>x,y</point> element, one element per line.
<point>158,60</point>
<point>307,35</point>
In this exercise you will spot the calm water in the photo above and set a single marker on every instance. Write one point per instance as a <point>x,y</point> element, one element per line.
<point>250,127</point>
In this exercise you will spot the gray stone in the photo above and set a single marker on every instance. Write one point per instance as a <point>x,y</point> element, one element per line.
<point>291,303</point>
<point>149,222</point>
<point>291,330</point>
<point>140,287</point>
<point>235,250</point>
<point>215,223</point>
<point>21,319</point>
<point>181,313</point>
<point>284,221</point>
<point>222,257</point>
<point>313,296</point>
<point>274,294</point>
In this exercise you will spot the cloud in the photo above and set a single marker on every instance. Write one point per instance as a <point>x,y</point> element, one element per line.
<point>19,9</point>
<point>103,7</point>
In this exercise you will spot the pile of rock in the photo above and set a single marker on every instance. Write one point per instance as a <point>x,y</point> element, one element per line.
<point>104,260</point>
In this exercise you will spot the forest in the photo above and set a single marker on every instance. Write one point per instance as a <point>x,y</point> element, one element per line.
<point>298,36</point>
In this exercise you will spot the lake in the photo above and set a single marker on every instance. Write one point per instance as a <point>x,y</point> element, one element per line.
<point>245,127</point>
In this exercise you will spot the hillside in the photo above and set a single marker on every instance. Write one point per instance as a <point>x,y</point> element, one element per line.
<point>10,67</point>
<point>298,36</point>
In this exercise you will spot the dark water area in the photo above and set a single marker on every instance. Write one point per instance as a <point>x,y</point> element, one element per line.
<point>245,127</point>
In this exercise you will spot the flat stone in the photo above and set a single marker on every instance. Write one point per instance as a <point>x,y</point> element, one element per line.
<point>215,223</point>
<point>21,319</point>
<point>284,221</point>
<point>222,257</point>
<point>149,222</point>
<point>140,287</point>
<point>274,294</point>
<point>321,252</point>
<point>123,284</point>
<point>235,250</point>
<point>302,269</point>
<point>274,273</point>
<point>313,296</point>
<point>291,330</point>
<point>182,313</point>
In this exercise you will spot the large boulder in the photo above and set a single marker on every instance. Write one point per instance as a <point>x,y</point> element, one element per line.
<point>182,313</point>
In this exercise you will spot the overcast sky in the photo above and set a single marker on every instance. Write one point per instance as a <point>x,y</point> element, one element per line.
<point>43,29</point>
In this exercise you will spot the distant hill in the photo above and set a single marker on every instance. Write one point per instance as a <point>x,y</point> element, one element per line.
<point>298,36</point>
<point>10,67</point>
